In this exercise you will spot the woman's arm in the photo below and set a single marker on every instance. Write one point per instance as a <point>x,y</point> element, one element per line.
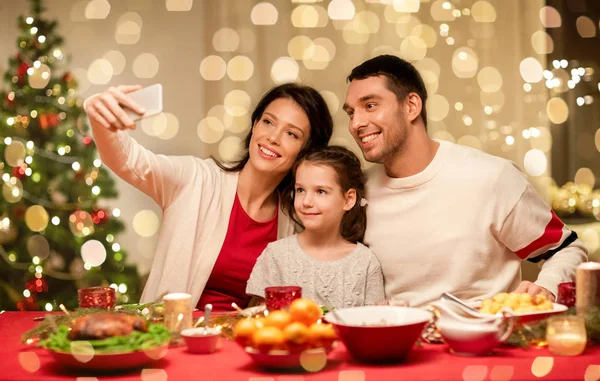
<point>158,176</point>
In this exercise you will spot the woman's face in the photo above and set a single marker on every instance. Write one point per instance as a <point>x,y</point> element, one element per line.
<point>278,137</point>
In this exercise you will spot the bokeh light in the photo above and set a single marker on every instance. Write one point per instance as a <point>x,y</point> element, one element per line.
<point>240,68</point>
<point>264,14</point>
<point>129,28</point>
<point>226,40</point>
<point>285,69</point>
<point>210,130</point>
<point>237,102</point>
<point>36,218</point>
<point>557,110</point>
<point>29,361</point>
<point>93,253</point>
<point>117,61</point>
<point>100,71</point>
<point>535,162</point>
<point>145,65</point>
<point>38,246</point>
<point>213,68</point>
<point>230,148</point>
<point>179,5</point>
<point>541,366</point>
<point>97,9</point>
<point>146,223</point>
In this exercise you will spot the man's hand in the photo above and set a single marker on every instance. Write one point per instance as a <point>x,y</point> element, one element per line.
<point>534,289</point>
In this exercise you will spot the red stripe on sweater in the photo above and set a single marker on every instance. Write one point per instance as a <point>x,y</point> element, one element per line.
<point>552,234</point>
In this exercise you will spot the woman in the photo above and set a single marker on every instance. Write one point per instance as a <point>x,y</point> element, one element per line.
<point>216,219</point>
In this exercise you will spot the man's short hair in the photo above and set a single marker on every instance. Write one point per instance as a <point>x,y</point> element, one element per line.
<point>402,77</point>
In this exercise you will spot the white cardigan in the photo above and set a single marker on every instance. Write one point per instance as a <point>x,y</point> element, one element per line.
<point>196,197</point>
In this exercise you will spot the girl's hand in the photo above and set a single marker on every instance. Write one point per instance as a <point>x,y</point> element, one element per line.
<point>105,109</point>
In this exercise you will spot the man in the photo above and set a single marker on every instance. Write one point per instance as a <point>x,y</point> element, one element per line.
<point>444,217</point>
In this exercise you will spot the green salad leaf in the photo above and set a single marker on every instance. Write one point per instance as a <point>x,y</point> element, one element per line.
<point>157,335</point>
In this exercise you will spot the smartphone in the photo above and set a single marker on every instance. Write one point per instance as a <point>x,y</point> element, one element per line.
<point>150,98</point>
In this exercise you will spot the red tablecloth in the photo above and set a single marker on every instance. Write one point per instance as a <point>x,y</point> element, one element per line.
<point>430,362</point>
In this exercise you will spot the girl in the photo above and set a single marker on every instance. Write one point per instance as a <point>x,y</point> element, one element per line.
<point>216,219</point>
<point>327,259</point>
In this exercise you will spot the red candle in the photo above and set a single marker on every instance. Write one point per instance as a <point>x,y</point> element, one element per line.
<point>97,297</point>
<point>277,298</point>
<point>566,294</point>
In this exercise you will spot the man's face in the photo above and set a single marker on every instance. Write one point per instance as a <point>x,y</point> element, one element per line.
<point>377,122</point>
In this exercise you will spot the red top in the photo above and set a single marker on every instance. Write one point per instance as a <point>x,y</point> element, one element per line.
<point>245,241</point>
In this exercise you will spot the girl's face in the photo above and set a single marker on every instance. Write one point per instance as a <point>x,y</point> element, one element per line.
<point>278,137</point>
<point>319,201</point>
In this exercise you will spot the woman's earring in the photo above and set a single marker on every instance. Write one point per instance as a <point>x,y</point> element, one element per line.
<point>363,202</point>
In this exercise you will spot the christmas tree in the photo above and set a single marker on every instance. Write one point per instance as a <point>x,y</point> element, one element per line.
<point>54,236</point>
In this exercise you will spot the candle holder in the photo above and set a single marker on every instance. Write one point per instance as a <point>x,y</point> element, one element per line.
<point>280,297</point>
<point>174,305</point>
<point>97,297</point>
<point>566,335</point>
<point>567,294</point>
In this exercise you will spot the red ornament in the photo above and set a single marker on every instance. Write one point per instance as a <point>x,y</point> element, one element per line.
<point>49,120</point>
<point>68,77</point>
<point>37,285</point>
<point>87,140</point>
<point>22,70</point>
<point>19,172</point>
<point>18,212</point>
<point>99,216</point>
<point>27,304</point>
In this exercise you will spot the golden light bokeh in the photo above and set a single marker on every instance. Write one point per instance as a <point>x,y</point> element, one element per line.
<point>145,65</point>
<point>179,5</point>
<point>81,223</point>
<point>406,6</point>
<point>425,33</point>
<point>154,375</point>
<point>333,102</point>
<point>597,139</point>
<point>82,351</point>
<point>437,107</point>
<point>117,61</point>
<point>470,141</point>
<point>313,361</point>
<point>226,40</point>
<point>39,76</point>
<point>237,102</point>
<point>494,100</point>
<point>97,9</point>
<point>264,14</point>
<point>406,25</point>
<point>305,16</point>
<point>444,135</point>
<point>366,21</point>
<point>591,240</point>
<point>129,28</point>
<point>550,17</point>
<point>465,62</point>
<point>240,68</point>
<point>483,11</point>
<point>36,218</point>
<point>585,27</point>
<point>210,130</point>
<point>93,253</point>
<point>341,10</point>
<point>100,72</point>
<point>247,40</point>
<point>535,162</point>
<point>585,176</point>
<point>531,70</point>
<point>29,361</point>
<point>319,60</point>
<point>219,112</point>
<point>15,153</point>
<point>81,76</point>
<point>353,36</point>
<point>441,13</point>
<point>301,47</point>
<point>213,68</point>
<point>592,373</point>
<point>557,110</point>
<point>285,69</point>
<point>413,48</point>
<point>542,43</point>
<point>146,223</point>
<point>489,79</point>
<point>352,375</point>
<point>542,365</point>
<point>502,373</point>
<point>38,246</point>
<point>474,373</point>
<point>544,141</point>
<point>12,190</point>
<point>154,126</point>
<point>561,78</point>
<point>170,123</point>
<point>230,148</point>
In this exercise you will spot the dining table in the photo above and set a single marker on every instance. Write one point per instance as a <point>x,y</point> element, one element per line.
<point>19,361</point>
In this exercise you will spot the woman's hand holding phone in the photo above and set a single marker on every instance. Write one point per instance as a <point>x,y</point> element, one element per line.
<point>106,108</point>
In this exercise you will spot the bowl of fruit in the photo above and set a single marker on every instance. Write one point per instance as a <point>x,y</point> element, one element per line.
<point>289,338</point>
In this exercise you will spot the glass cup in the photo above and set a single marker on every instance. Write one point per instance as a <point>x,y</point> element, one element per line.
<point>566,294</point>
<point>177,311</point>
<point>280,297</point>
<point>566,335</point>
<point>97,297</point>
